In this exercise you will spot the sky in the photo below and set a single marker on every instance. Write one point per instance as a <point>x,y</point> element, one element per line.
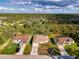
<point>39,6</point>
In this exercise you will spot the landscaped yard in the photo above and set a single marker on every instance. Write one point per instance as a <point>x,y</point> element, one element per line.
<point>72,49</point>
<point>10,49</point>
<point>27,49</point>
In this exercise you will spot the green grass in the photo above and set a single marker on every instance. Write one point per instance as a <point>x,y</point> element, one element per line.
<point>27,49</point>
<point>10,49</point>
<point>72,49</point>
<point>2,40</point>
<point>55,47</point>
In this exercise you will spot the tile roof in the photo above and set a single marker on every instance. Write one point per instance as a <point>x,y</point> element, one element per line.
<point>64,39</point>
<point>40,39</point>
<point>23,38</point>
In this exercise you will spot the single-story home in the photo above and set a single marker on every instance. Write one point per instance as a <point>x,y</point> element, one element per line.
<point>40,39</point>
<point>20,39</point>
<point>64,40</point>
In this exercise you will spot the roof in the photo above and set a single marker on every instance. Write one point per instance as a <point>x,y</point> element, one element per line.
<point>40,39</point>
<point>64,38</point>
<point>23,38</point>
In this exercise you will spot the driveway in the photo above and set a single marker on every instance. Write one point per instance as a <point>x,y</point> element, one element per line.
<point>34,50</point>
<point>62,49</point>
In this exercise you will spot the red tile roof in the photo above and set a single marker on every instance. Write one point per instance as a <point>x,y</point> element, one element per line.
<point>40,38</point>
<point>64,39</point>
<point>23,38</point>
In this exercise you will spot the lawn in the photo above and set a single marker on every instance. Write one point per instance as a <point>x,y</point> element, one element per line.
<point>10,49</point>
<point>2,40</point>
<point>27,49</point>
<point>72,49</point>
<point>55,47</point>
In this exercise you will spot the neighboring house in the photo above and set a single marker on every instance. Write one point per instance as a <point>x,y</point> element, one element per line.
<point>40,39</point>
<point>20,39</point>
<point>64,40</point>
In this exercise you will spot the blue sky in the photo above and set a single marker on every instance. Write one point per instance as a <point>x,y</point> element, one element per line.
<point>39,6</point>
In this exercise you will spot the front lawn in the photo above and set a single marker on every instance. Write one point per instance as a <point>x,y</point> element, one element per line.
<point>72,50</point>
<point>2,40</point>
<point>27,49</point>
<point>55,47</point>
<point>10,49</point>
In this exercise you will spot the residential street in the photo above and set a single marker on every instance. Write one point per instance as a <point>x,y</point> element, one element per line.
<point>24,57</point>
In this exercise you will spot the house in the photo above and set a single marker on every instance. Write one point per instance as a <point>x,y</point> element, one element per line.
<point>40,39</point>
<point>64,40</point>
<point>20,39</point>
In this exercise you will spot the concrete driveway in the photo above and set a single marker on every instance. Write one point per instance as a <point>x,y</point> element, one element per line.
<point>61,48</point>
<point>34,50</point>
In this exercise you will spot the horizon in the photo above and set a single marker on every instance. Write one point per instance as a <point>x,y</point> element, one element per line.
<point>39,6</point>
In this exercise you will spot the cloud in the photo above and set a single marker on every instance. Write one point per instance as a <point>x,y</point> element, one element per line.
<point>55,0</point>
<point>22,2</point>
<point>4,8</point>
<point>12,9</point>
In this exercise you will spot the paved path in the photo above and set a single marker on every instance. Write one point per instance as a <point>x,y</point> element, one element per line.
<point>4,45</point>
<point>62,49</point>
<point>34,50</point>
<point>23,47</point>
